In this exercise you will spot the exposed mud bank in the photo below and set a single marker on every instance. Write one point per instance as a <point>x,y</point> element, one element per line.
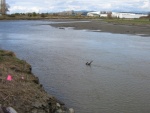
<point>21,90</point>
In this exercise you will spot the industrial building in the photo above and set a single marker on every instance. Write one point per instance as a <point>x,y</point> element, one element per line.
<point>116,14</point>
<point>127,15</point>
<point>93,14</point>
<point>98,14</point>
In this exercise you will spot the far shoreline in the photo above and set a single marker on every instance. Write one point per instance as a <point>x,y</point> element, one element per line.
<point>100,25</point>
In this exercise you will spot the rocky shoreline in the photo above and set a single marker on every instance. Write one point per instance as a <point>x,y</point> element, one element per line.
<point>21,90</point>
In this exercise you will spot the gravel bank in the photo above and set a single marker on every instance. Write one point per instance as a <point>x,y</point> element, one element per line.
<point>101,26</point>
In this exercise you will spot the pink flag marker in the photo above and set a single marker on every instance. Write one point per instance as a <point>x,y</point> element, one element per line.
<point>9,78</point>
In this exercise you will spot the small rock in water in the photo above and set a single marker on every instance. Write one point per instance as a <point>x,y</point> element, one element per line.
<point>58,105</point>
<point>61,28</point>
<point>71,110</point>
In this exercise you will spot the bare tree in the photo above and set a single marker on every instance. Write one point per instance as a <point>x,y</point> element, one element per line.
<point>4,7</point>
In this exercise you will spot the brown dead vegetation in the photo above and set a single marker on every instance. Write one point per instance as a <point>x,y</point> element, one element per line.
<point>23,92</point>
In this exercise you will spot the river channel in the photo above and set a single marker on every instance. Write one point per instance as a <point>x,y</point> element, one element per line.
<point>118,80</point>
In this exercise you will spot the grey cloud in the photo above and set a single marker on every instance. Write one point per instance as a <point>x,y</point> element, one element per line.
<point>61,5</point>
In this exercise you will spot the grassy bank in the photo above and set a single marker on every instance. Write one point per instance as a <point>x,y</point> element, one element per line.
<point>23,91</point>
<point>144,21</point>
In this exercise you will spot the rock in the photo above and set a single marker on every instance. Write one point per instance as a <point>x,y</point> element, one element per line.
<point>60,102</point>
<point>36,80</point>
<point>41,85</point>
<point>59,111</point>
<point>30,70</point>
<point>34,111</point>
<point>11,110</point>
<point>58,105</point>
<point>44,104</point>
<point>7,110</point>
<point>71,110</point>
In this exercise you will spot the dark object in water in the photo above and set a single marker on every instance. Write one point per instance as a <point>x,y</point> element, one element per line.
<point>61,28</point>
<point>89,63</point>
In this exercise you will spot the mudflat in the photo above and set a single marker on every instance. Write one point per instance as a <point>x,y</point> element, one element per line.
<point>102,26</point>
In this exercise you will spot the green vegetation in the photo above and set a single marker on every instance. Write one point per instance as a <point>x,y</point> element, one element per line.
<point>141,21</point>
<point>6,53</point>
<point>8,58</point>
<point>37,16</point>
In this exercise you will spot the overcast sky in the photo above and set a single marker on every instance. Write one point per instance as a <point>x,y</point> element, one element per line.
<point>23,6</point>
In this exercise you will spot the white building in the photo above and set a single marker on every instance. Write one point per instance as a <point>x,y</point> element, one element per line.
<point>103,15</point>
<point>97,14</point>
<point>127,15</point>
<point>93,14</point>
<point>115,14</point>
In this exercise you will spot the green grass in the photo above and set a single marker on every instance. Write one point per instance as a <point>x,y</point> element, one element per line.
<point>6,53</point>
<point>129,21</point>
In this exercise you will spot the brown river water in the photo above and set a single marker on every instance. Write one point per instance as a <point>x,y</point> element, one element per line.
<point>118,81</point>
